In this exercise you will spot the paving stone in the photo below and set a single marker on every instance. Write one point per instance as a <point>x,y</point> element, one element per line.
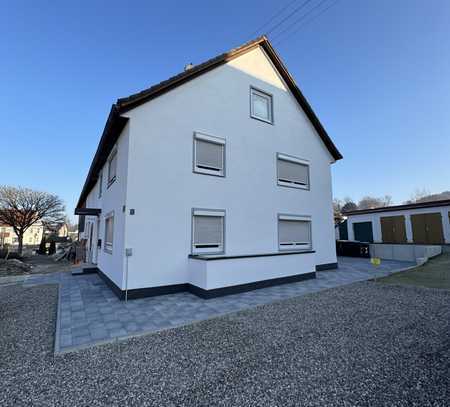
<point>81,340</point>
<point>113,325</point>
<point>116,333</point>
<point>89,311</point>
<point>65,341</point>
<point>100,333</point>
<point>76,332</point>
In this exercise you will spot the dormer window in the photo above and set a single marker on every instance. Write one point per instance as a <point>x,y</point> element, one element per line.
<point>261,105</point>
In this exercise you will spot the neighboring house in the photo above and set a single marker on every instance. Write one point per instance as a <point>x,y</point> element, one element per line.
<point>214,181</point>
<point>31,237</point>
<point>420,223</point>
<point>63,231</point>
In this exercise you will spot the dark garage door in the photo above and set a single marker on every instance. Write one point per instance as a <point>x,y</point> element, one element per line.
<point>363,231</point>
<point>393,229</point>
<point>427,228</point>
<point>343,231</point>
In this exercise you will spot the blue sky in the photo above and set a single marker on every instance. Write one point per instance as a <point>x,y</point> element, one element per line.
<point>375,72</point>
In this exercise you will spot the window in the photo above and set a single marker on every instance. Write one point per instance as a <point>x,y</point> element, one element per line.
<point>209,154</point>
<point>294,232</point>
<point>100,184</point>
<point>109,233</point>
<point>292,172</point>
<point>112,167</point>
<point>261,105</point>
<point>208,231</point>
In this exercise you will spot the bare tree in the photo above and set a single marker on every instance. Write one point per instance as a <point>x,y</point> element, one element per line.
<point>422,195</point>
<point>21,208</point>
<point>371,202</point>
<point>337,206</point>
<point>387,200</point>
<point>348,205</point>
<point>72,227</point>
<point>52,225</point>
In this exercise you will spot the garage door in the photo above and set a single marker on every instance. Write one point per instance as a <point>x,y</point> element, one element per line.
<point>427,228</point>
<point>393,229</point>
<point>343,231</point>
<point>363,232</point>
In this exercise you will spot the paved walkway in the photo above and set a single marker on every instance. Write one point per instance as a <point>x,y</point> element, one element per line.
<point>89,313</point>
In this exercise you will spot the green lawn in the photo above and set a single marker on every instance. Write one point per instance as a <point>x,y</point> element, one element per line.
<point>434,274</point>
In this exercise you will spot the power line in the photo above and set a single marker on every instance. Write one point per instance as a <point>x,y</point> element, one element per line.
<point>279,12</point>
<point>306,23</point>
<point>288,16</point>
<point>298,20</point>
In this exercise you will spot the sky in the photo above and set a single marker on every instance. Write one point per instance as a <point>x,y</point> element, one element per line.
<point>377,74</point>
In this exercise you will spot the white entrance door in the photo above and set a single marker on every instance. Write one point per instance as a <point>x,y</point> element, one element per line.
<point>97,237</point>
<point>90,243</point>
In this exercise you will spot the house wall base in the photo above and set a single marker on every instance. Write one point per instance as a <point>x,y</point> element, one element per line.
<point>220,292</point>
<point>200,292</point>
<point>326,266</point>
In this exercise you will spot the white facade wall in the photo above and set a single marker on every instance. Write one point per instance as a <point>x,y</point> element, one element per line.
<point>162,188</point>
<point>214,274</point>
<point>376,223</point>
<point>113,199</point>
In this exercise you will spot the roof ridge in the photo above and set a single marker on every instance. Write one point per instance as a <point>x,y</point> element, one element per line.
<point>122,102</point>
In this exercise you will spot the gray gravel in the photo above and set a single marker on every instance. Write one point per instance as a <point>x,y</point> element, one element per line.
<point>365,344</point>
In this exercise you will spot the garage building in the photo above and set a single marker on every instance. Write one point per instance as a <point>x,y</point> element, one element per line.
<point>419,223</point>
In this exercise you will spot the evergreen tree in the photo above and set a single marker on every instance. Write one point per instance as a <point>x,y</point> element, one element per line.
<point>42,247</point>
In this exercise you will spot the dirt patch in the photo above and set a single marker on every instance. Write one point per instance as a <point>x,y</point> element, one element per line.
<point>36,264</point>
<point>14,267</point>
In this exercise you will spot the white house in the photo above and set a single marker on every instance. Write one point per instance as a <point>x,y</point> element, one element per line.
<point>214,181</point>
<point>31,237</point>
<point>419,223</point>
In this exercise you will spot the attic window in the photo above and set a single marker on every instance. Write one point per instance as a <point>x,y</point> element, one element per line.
<point>261,105</point>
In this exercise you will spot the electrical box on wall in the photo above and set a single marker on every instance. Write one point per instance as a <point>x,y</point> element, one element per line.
<point>128,252</point>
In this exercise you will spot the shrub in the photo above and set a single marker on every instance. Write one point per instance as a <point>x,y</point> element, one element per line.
<point>52,248</point>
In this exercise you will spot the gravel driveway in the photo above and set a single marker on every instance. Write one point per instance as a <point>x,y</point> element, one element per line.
<point>362,344</point>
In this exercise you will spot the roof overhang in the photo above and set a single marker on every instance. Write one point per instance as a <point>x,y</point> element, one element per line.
<point>113,127</point>
<point>88,211</point>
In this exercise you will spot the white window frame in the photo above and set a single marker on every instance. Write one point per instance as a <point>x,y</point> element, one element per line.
<point>265,95</point>
<point>100,184</point>
<point>220,249</point>
<point>210,139</point>
<point>297,160</point>
<point>108,246</point>
<point>111,179</point>
<point>290,246</point>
